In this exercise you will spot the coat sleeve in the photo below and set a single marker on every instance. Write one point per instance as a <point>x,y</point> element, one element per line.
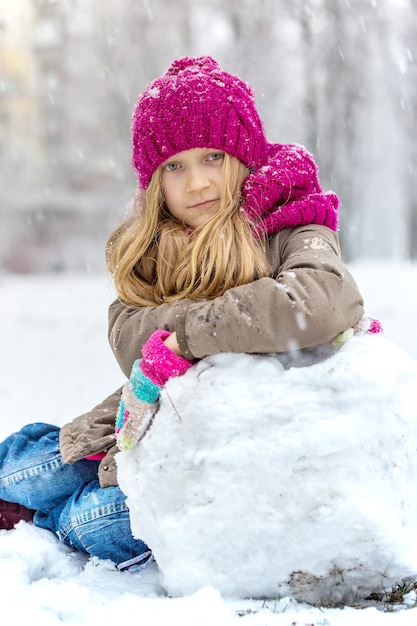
<point>93,433</point>
<point>129,327</point>
<point>310,298</point>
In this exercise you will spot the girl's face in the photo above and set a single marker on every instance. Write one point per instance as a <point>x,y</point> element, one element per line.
<point>192,182</point>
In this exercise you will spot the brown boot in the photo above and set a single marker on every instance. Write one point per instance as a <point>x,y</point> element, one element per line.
<point>11,513</point>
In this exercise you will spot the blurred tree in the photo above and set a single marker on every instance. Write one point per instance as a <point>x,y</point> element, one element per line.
<point>407,101</point>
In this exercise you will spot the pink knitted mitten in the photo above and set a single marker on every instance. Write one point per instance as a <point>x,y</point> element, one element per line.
<point>365,326</point>
<point>140,395</point>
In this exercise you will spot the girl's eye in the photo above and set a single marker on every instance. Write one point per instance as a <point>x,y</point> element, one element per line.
<point>171,167</point>
<point>216,156</point>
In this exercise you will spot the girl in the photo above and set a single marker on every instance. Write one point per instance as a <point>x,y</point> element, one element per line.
<point>231,247</point>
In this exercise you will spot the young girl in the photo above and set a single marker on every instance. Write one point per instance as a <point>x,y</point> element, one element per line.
<point>231,247</point>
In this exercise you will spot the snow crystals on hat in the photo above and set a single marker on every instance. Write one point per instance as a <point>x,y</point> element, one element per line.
<point>195,104</point>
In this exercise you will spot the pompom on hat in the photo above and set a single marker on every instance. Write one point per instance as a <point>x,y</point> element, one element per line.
<point>196,104</point>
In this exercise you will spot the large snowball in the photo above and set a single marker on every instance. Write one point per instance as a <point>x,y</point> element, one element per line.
<point>264,481</point>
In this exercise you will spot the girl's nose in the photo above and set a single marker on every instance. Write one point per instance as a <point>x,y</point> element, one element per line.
<point>197,179</point>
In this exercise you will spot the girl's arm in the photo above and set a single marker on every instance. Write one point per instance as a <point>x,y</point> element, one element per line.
<point>310,299</point>
<point>131,326</point>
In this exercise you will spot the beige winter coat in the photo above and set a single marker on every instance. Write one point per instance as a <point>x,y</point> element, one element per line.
<point>310,298</point>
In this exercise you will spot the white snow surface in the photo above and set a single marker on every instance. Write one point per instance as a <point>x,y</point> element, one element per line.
<point>297,483</point>
<point>301,487</point>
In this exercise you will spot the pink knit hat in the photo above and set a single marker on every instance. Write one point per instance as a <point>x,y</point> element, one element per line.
<point>196,104</point>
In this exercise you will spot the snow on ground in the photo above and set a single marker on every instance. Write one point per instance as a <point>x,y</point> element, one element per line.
<point>55,364</point>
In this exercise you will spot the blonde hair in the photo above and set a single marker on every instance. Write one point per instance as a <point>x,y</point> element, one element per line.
<point>153,257</point>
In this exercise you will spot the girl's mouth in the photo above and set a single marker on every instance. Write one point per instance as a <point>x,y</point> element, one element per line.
<point>202,205</point>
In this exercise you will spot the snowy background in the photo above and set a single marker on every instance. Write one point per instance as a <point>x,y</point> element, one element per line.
<point>56,364</point>
<point>338,77</point>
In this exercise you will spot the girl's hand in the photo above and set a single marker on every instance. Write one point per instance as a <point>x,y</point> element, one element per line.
<point>172,343</point>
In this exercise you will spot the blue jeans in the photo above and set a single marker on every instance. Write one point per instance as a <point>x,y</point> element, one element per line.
<point>68,499</point>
